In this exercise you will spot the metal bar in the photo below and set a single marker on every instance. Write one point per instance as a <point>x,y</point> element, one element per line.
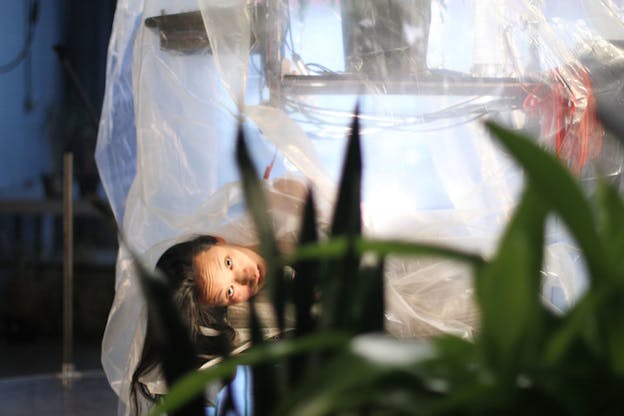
<point>81,208</point>
<point>61,52</point>
<point>68,268</point>
<point>433,85</point>
<point>274,49</point>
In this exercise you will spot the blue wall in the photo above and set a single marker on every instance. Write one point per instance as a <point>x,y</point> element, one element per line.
<point>25,142</point>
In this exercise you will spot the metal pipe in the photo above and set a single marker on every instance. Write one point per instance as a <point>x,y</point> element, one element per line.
<point>349,84</point>
<point>68,268</point>
<point>274,28</point>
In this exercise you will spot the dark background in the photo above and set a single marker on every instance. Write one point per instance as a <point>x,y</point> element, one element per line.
<point>51,83</point>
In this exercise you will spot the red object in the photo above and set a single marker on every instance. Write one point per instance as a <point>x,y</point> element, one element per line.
<point>267,171</point>
<point>269,168</point>
<point>567,109</point>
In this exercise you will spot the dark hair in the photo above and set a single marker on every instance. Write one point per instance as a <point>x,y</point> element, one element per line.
<point>177,265</point>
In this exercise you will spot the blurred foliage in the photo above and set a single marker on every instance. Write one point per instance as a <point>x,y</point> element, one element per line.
<point>524,360</point>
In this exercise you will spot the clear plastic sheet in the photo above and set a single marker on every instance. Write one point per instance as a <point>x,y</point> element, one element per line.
<point>425,73</point>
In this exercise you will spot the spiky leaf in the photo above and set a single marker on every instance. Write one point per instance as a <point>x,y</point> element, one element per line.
<point>508,291</point>
<point>556,186</point>
<point>342,275</point>
<point>192,385</point>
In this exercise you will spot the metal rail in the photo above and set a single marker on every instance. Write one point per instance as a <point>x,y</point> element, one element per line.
<point>67,369</point>
<point>430,85</point>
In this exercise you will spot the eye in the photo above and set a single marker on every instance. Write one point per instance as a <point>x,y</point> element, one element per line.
<point>230,292</point>
<point>228,263</point>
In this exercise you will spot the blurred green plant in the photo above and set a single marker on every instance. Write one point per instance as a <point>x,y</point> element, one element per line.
<point>525,359</point>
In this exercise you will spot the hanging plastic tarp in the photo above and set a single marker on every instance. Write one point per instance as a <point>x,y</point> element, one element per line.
<point>181,74</point>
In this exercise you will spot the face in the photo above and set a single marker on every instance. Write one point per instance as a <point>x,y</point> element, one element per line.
<point>228,274</point>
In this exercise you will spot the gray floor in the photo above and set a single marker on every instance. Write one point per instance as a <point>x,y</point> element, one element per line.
<point>87,393</point>
<point>30,382</point>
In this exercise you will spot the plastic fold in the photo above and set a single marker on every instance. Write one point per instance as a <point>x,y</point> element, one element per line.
<point>182,74</point>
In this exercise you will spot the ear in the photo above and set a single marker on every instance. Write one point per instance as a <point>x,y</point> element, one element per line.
<point>219,240</point>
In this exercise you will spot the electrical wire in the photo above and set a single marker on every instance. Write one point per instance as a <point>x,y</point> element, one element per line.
<point>406,129</point>
<point>453,111</point>
<point>416,127</point>
<point>459,113</point>
<point>33,16</point>
<point>318,68</point>
<point>312,67</point>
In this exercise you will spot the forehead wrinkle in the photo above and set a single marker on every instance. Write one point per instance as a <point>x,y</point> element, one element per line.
<point>207,278</point>
<point>217,259</point>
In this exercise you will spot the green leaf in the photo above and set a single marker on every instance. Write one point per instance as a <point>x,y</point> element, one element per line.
<point>307,272</point>
<point>270,381</point>
<point>368,303</point>
<point>508,291</point>
<point>257,206</point>
<point>337,246</point>
<point>255,326</point>
<point>351,379</point>
<point>386,247</point>
<point>347,218</point>
<point>556,186</point>
<point>193,384</point>
<point>610,319</point>
<point>332,248</point>
<point>477,398</point>
<point>318,394</point>
<point>341,276</point>
<point>305,286</point>
<point>375,392</point>
<point>596,317</point>
<point>456,364</point>
<point>579,321</point>
<point>610,313</point>
<point>611,221</point>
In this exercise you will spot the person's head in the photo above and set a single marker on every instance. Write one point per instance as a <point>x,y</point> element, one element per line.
<point>226,274</point>
<point>208,272</point>
<point>205,274</point>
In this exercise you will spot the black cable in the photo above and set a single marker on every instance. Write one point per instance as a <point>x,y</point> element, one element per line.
<point>29,102</point>
<point>462,112</point>
<point>33,16</point>
<point>452,111</point>
<point>318,68</point>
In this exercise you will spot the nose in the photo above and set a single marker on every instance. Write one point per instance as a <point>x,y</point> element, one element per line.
<point>247,275</point>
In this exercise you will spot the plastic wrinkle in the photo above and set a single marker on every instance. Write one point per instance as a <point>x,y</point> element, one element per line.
<point>425,74</point>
